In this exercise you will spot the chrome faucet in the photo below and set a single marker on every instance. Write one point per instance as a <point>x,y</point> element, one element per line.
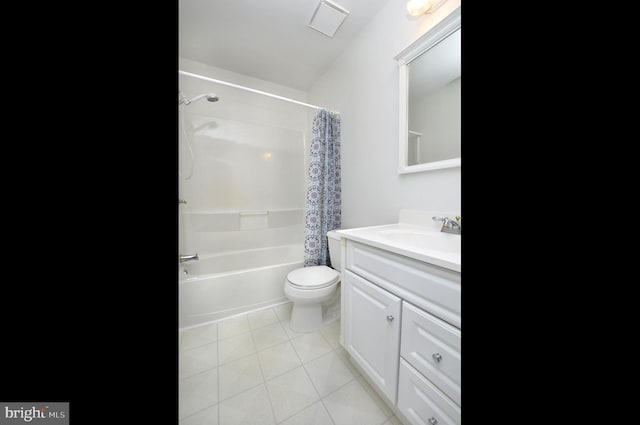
<point>449,225</point>
<point>190,257</point>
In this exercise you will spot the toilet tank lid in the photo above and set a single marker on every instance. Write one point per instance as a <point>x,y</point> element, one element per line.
<point>313,276</point>
<point>333,235</point>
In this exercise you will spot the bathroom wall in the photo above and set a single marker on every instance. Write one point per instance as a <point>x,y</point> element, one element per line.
<point>362,84</point>
<point>248,185</point>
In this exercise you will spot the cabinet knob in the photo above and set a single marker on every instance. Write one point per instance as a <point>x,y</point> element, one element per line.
<point>390,318</point>
<point>433,421</point>
<point>437,357</point>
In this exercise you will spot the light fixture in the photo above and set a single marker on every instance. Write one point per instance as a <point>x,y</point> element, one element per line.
<point>419,7</point>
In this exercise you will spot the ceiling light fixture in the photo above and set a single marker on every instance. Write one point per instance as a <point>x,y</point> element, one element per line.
<point>419,7</point>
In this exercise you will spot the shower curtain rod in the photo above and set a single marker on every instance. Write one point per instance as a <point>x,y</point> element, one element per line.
<point>189,74</point>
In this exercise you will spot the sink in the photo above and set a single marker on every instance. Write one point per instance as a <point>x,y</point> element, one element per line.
<point>424,240</point>
<point>416,236</point>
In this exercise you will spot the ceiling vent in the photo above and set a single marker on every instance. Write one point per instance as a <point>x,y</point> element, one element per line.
<point>328,17</point>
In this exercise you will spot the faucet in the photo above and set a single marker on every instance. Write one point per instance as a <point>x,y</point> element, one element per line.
<point>190,257</point>
<point>449,225</point>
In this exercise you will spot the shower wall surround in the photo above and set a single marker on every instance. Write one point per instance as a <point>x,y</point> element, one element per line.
<point>248,185</point>
<point>245,191</point>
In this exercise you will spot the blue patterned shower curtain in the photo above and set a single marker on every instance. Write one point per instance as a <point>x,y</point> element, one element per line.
<point>323,194</point>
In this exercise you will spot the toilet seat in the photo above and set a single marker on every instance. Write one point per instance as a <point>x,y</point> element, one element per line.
<point>313,277</point>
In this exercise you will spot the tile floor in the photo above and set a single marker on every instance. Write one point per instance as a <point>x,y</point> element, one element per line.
<point>253,369</point>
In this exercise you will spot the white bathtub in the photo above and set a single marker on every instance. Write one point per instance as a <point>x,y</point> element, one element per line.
<point>221,285</point>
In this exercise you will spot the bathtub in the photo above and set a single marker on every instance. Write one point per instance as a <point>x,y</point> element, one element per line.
<point>221,285</point>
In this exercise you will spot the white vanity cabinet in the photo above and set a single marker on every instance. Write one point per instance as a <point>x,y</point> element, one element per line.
<point>402,327</point>
<point>374,322</point>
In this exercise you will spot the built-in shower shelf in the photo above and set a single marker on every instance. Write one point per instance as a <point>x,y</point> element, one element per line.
<point>229,221</point>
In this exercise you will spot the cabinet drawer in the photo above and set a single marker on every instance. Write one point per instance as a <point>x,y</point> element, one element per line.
<point>431,288</point>
<point>433,348</point>
<point>421,402</point>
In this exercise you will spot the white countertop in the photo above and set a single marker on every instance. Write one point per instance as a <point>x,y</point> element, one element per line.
<point>418,242</point>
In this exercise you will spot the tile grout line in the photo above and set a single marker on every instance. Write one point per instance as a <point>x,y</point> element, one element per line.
<point>373,394</point>
<point>200,373</point>
<point>311,380</point>
<point>320,398</point>
<point>264,381</point>
<point>234,360</point>
<point>289,340</point>
<point>306,373</point>
<point>218,365</point>
<point>355,378</point>
<point>327,410</point>
<point>274,377</point>
<point>204,370</point>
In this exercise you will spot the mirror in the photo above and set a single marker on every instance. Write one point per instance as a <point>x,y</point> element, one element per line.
<point>430,77</point>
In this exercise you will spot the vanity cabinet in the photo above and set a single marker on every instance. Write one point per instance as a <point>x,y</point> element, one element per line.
<point>402,327</point>
<point>374,323</point>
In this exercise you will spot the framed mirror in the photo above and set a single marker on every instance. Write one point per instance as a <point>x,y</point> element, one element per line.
<point>430,75</point>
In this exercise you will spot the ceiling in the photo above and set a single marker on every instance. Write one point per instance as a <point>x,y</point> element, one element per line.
<point>267,39</point>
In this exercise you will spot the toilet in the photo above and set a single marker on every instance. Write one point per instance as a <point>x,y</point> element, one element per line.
<point>313,289</point>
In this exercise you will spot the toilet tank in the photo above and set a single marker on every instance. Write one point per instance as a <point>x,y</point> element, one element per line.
<point>334,249</point>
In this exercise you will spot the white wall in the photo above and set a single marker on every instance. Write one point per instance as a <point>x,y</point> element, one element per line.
<point>363,86</point>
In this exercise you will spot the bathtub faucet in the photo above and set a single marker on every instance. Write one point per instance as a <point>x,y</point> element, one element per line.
<point>190,257</point>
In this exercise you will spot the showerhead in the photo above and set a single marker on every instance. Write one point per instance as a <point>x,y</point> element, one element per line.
<point>182,99</point>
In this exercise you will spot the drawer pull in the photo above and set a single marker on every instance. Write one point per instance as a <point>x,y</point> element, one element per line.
<point>437,357</point>
<point>390,318</point>
<point>433,421</point>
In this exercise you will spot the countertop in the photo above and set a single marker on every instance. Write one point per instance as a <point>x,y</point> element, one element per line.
<point>417,242</point>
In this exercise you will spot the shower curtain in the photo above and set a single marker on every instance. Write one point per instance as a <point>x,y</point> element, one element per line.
<point>323,193</point>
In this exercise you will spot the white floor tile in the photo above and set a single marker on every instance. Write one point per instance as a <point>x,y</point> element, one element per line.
<point>262,318</point>
<point>208,416</point>
<point>233,348</point>
<point>238,376</point>
<point>201,335</point>
<point>249,408</point>
<point>198,359</point>
<point>197,392</point>
<point>283,311</point>
<point>331,333</point>
<point>269,335</point>
<point>375,397</point>
<point>232,327</point>
<point>328,373</point>
<point>344,355</point>
<point>290,393</point>
<point>278,359</point>
<point>290,332</point>
<point>393,421</point>
<point>315,414</point>
<point>352,405</point>
<point>310,346</point>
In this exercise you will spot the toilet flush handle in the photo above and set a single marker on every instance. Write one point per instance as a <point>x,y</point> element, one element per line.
<point>390,318</point>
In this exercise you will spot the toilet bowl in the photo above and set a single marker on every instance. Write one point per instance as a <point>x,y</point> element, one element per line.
<point>311,288</point>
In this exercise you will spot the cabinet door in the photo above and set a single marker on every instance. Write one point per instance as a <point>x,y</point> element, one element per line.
<point>372,331</point>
